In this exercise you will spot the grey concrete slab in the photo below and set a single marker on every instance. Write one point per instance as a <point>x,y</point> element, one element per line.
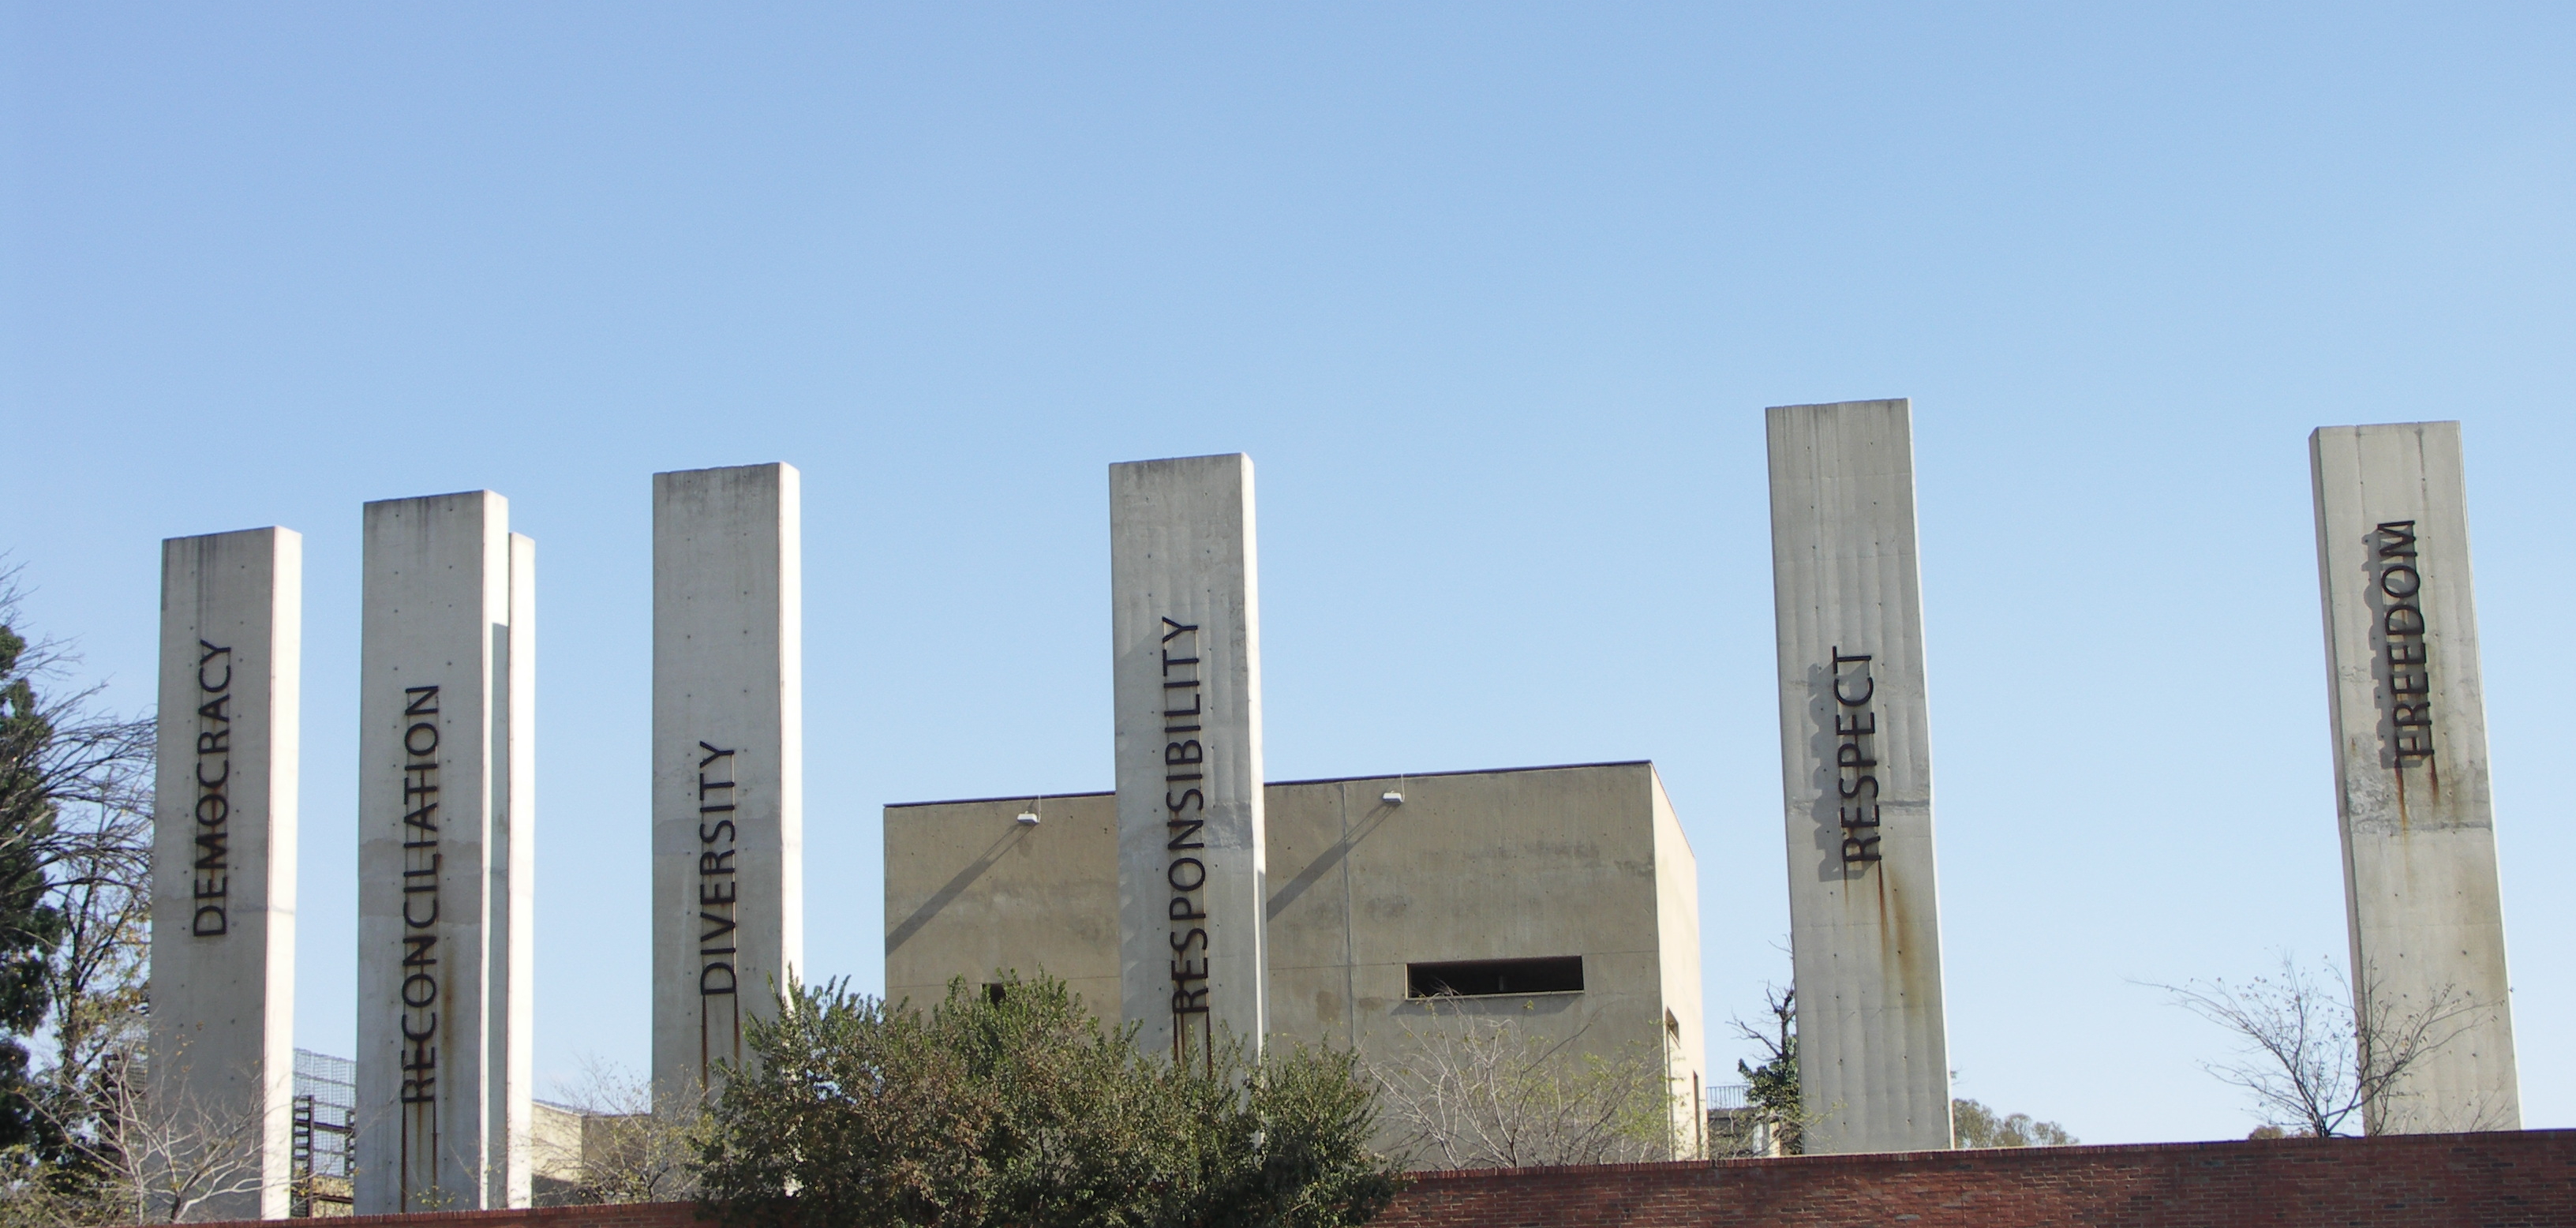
<point>513,887</point>
<point>2410,742</point>
<point>446,832</point>
<point>728,762</point>
<point>1186,622</point>
<point>222,1026</point>
<point>1856,777</point>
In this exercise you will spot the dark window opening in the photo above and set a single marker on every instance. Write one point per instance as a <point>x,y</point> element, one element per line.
<point>1489,978</point>
<point>995,991</point>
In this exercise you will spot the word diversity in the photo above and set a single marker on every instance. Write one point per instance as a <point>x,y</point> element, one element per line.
<point>719,884</point>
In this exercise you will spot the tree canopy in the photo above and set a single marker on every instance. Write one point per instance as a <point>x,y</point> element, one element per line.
<point>1019,1108</point>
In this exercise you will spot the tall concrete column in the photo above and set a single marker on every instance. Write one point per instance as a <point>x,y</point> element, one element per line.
<point>445,856</point>
<point>1856,773</point>
<point>223,848</point>
<point>1186,621</point>
<point>728,762</point>
<point>2410,740</point>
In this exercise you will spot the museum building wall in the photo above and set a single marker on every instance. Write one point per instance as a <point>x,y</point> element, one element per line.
<point>1488,882</point>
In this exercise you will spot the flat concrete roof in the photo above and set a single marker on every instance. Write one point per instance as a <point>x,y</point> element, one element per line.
<point>1319,780</point>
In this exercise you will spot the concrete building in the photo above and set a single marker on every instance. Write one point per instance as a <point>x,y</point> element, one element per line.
<point>223,850</point>
<point>1856,776</point>
<point>446,859</point>
<point>728,761</point>
<point>1185,601</point>
<point>2410,746</point>
<point>1562,897</point>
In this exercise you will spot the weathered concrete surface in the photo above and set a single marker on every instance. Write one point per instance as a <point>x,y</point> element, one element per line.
<point>971,891</point>
<point>1546,862</point>
<point>1856,777</point>
<point>1677,954</point>
<point>1540,862</point>
<point>1186,626</point>
<point>446,854</point>
<point>223,845</point>
<point>512,843</point>
<point>2410,743</point>
<point>728,761</point>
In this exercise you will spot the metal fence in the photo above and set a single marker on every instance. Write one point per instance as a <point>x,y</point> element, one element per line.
<point>326,1118</point>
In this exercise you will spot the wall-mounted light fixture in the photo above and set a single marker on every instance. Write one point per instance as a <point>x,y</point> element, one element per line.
<point>1391,798</point>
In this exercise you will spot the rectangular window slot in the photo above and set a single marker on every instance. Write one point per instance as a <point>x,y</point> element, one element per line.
<point>1493,978</point>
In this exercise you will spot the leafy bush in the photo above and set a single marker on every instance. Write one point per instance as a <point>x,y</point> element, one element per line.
<point>1018,1108</point>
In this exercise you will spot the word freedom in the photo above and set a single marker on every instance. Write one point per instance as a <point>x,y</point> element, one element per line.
<point>2402,644</point>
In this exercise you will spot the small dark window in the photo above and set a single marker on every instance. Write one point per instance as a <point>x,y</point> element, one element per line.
<point>995,991</point>
<point>1488,978</point>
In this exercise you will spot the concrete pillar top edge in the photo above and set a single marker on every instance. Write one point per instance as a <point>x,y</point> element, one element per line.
<point>1244,457</point>
<point>488,495</point>
<point>2359,427</point>
<point>1906,403</point>
<point>199,537</point>
<point>659,474</point>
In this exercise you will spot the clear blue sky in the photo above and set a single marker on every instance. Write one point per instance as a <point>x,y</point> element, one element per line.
<point>1493,295</point>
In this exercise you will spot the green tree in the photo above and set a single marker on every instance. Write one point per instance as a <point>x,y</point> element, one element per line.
<point>1771,1089</point>
<point>1975,1125</point>
<point>75,899</point>
<point>1020,1108</point>
<point>29,925</point>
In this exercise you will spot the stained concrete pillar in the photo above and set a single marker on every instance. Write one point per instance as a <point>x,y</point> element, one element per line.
<point>1186,621</point>
<point>1856,775</point>
<point>223,849</point>
<point>728,762</point>
<point>2410,742</point>
<point>446,856</point>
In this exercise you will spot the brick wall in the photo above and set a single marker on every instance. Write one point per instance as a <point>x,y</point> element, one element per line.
<point>2423,1181</point>
<point>2503,1180</point>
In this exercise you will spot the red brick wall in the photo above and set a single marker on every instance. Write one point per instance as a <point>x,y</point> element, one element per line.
<point>2505,1180</point>
<point>2423,1181</point>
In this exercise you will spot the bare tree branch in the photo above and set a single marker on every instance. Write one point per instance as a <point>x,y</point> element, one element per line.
<point>1480,1092</point>
<point>2309,1062</point>
<point>626,1143</point>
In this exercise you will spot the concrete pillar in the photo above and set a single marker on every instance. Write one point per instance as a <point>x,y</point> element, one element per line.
<point>223,849</point>
<point>445,856</point>
<point>728,762</point>
<point>2410,742</point>
<point>1186,620</point>
<point>1856,774</point>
